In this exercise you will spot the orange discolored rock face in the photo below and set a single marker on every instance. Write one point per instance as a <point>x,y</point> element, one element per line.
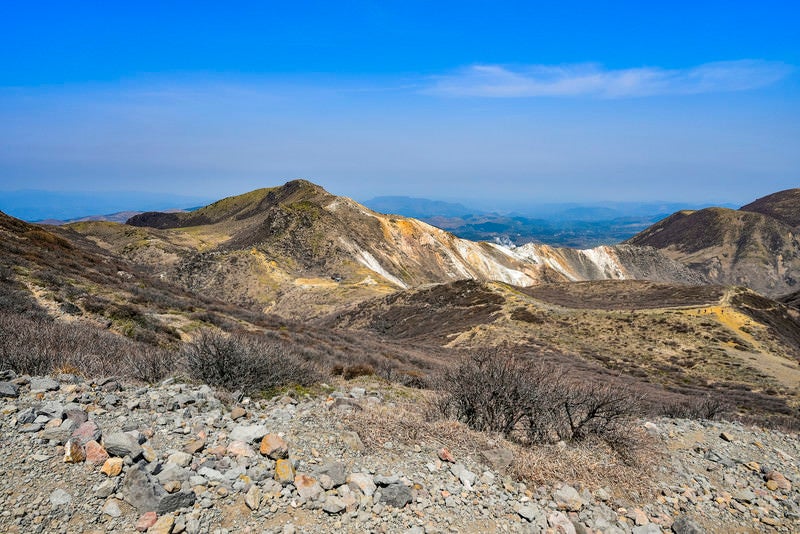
<point>274,446</point>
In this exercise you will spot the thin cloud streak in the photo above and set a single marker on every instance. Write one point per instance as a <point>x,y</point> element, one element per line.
<point>591,80</point>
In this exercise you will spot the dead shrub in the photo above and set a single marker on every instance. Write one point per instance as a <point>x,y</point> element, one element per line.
<point>536,403</point>
<point>38,347</point>
<point>247,363</point>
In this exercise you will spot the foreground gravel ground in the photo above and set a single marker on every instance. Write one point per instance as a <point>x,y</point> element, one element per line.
<point>101,456</point>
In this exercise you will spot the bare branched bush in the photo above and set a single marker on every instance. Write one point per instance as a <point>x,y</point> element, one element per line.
<point>535,402</point>
<point>247,363</point>
<point>39,347</point>
<point>705,407</point>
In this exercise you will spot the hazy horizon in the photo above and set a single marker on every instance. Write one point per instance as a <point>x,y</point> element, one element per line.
<point>459,101</point>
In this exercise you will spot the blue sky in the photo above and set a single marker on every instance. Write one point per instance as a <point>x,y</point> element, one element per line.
<point>469,101</point>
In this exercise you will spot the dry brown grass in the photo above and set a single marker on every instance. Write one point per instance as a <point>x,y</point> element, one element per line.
<point>592,463</point>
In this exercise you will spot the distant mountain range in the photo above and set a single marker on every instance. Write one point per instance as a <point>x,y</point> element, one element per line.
<point>556,224</point>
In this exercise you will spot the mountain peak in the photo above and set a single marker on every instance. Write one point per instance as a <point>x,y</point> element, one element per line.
<point>783,205</point>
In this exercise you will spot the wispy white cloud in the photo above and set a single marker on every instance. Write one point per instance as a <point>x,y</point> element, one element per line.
<point>495,81</point>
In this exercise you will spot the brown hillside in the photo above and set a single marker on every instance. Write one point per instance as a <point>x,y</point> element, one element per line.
<point>783,206</point>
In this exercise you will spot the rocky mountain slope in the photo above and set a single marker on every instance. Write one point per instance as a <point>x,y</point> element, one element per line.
<point>300,251</point>
<point>99,455</point>
<point>757,246</point>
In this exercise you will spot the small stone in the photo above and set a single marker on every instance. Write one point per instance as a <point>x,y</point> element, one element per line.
<point>274,447</point>
<point>336,471</point>
<point>146,521</point>
<point>172,486</point>
<point>248,433</point>
<point>122,444</point>
<point>445,455</point>
<point>778,481</point>
<point>176,501</point>
<point>8,389</point>
<point>726,437</point>
<point>362,482</point>
<point>240,449</point>
<point>568,498</point>
<point>194,446</point>
<point>86,432</point>
<point>95,453</point>
<point>149,453</point>
<point>112,467</point>
<point>253,498</point>
<point>238,412</point>
<point>284,471</point>
<point>181,459</point>
<point>60,497</point>
<point>463,474</point>
<point>307,486</point>
<point>333,505</point>
<point>683,524</point>
<point>163,525</point>
<point>74,453</point>
<point>43,384</point>
<point>561,523</point>
<point>530,512</point>
<point>397,495</point>
<point>111,508</point>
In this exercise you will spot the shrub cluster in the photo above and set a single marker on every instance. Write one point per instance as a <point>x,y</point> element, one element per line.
<point>246,363</point>
<point>535,402</point>
<point>40,346</point>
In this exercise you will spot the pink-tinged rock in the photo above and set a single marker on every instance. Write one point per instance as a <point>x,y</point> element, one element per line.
<point>240,448</point>
<point>274,446</point>
<point>195,446</point>
<point>445,455</point>
<point>95,453</point>
<point>73,452</point>
<point>307,486</point>
<point>146,521</point>
<point>87,432</point>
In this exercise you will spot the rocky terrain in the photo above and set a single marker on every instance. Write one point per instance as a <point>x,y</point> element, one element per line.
<point>106,456</point>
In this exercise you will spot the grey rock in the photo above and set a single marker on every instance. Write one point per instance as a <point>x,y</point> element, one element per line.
<point>397,495</point>
<point>336,471</point>
<point>568,497</point>
<point>7,389</point>
<point>333,505</point>
<point>181,459</point>
<point>111,508</point>
<point>175,501</point>
<point>463,474</point>
<point>362,482</point>
<point>43,384</point>
<point>60,497</point>
<point>683,524</point>
<point>211,474</point>
<point>561,523</point>
<point>248,433</point>
<point>532,513</point>
<point>105,488</point>
<point>172,472</point>
<point>141,491</point>
<point>53,410</point>
<point>59,434</point>
<point>122,444</point>
<point>650,528</point>
<point>28,415</point>
<point>111,400</point>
